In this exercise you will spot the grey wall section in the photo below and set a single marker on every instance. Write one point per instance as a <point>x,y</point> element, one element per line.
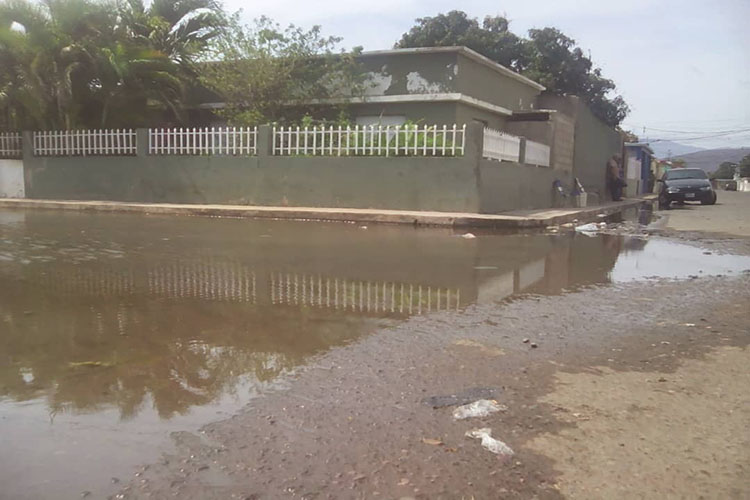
<point>595,143</point>
<point>459,184</point>
<point>481,82</point>
<point>400,183</point>
<point>409,73</point>
<point>468,114</point>
<point>506,186</point>
<point>430,113</point>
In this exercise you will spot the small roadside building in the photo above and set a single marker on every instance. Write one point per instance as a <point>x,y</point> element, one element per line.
<point>637,165</point>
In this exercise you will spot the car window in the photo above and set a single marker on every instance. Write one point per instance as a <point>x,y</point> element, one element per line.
<point>685,174</point>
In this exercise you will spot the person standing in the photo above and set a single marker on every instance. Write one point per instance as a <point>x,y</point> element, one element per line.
<point>614,177</point>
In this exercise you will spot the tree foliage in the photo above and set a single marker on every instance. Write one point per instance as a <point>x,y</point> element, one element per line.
<point>261,69</point>
<point>96,63</point>
<point>725,170</point>
<point>546,56</point>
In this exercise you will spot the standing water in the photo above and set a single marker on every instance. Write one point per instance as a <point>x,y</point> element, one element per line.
<point>116,330</point>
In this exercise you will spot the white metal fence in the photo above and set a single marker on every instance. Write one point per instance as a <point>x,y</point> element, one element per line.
<point>10,145</point>
<point>501,146</point>
<point>537,154</point>
<point>85,142</point>
<point>370,140</point>
<point>228,141</point>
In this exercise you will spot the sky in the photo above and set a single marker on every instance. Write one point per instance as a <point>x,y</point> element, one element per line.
<point>683,66</point>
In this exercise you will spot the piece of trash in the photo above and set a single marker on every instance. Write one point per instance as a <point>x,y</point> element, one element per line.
<point>534,345</point>
<point>468,236</point>
<point>461,398</point>
<point>480,408</point>
<point>591,227</point>
<point>433,442</point>
<point>88,364</point>
<point>363,227</point>
<point>601,216</point>
<point>688,324</point>
<point>526,341</point>
<point>489,443</point>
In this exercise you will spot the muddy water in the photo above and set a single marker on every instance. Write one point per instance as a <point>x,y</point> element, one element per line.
<point>117,330</point>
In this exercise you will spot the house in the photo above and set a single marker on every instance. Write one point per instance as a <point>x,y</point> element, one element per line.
<point>637,166</point>
<point>436,129</point>
<point>456,85</point>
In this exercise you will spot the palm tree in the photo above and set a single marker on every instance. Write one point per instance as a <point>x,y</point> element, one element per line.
<point>95,63</point>
<point>179,29</point>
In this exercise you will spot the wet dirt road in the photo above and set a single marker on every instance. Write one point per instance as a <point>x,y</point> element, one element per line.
<point>311,349</point>
<point>613,403</point>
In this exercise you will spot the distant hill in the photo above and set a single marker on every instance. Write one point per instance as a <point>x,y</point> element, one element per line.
<point>710,159</point>
<point>667,149</point>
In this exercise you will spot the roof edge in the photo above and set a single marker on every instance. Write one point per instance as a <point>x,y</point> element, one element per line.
<point>460,49</point>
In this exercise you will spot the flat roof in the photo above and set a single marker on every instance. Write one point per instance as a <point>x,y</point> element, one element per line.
<point>471,54</point>
<point>643,145</point>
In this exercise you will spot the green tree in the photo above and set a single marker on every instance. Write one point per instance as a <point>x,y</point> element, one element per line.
<point>492,38</point>
<point>725,170</point>
<point>547,56</point>
<point>744,166</point>
<point>260,71</point>
<point>95,63</point>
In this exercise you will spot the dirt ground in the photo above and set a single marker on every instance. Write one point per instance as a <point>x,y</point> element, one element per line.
<point>632,391</point>
<point>729,215</point>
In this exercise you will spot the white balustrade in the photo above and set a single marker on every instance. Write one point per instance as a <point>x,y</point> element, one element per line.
<point>501,146</point>
<point>225,141</point>
<point>370,140</point>
<point>112,142</point>
<point>10,145</point>
<point>537,154</point>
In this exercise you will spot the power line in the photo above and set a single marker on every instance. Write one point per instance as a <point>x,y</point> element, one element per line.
<point>689,131</point>
<point>712,136</point>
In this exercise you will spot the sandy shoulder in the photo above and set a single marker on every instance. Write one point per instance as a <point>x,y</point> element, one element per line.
<point>652,435</point>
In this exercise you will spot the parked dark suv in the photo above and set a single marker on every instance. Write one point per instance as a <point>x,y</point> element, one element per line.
<point>685,184</point>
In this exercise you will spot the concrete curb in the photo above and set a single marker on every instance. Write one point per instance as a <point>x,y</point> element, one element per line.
<point>512,220</point>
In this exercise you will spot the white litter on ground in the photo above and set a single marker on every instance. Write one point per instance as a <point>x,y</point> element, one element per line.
<point>480,408</point>
<point>489,443</point>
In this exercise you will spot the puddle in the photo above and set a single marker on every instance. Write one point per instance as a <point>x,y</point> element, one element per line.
<point>116,330</point>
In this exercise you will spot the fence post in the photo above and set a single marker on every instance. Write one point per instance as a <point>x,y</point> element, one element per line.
<point>27,144</point>
<point>474,146</point>
<point>264,146</point>
<point>522,151</point>
<point>141,142</point>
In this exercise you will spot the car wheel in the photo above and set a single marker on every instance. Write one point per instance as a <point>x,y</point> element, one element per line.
<point>711,201</point>
<point>663,203</point>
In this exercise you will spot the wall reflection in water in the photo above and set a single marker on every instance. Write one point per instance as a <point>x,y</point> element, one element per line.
<point>164,314</point>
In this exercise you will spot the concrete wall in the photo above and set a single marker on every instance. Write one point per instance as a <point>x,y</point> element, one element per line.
<point>595,143</point>
<point>459,184</point>
<point>482,82</point>
<point>506,186</point>
<point>11,179</point>
<point>469,114</point>
<point>442,184</point>
<point>409,73</point>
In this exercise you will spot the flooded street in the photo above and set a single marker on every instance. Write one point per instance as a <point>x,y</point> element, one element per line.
<point>119,330</point>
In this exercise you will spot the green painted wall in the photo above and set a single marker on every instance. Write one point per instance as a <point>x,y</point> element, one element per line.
<point>459,184</point>
<point>400,183</point>
<point>481,82</point>
<point>505,186</point>
<point>409,73</point>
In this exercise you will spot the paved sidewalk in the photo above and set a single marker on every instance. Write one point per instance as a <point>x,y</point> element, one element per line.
<point>508,220</point>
